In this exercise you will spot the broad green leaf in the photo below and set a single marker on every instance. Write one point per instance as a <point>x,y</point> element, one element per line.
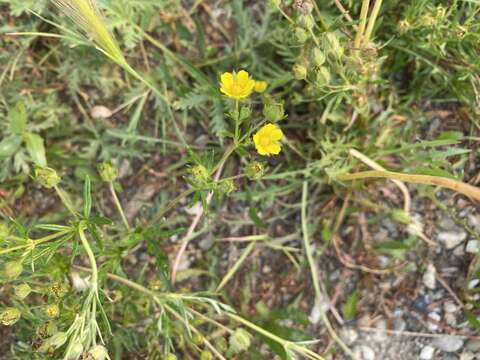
<point>36,149</point>
<point>18,119</point>
<point>9,146</point>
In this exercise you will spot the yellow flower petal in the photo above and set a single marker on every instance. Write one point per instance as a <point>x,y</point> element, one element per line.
<point>274,149</point>
<point>242,78</point>
<point>236,85</point>
<point>226,79</point>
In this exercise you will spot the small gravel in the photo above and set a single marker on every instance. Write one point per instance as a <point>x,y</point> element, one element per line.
<point>448,343</point>
<point>427,353</point>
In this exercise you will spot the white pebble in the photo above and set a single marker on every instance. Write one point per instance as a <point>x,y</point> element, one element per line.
<point>429,277</point>
<point>433,326</point>
<point>427,353</point>
<point>448,343</point>
<point>452,239</point>
<point>472,247</point>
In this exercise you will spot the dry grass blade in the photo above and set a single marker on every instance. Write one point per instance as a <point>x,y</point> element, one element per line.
<point>86,14</point>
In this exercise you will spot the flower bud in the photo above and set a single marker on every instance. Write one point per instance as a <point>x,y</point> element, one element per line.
<point>53,342</point>
<point>47,177</point>
<point>239,341</point>
<point>75,351</point>
<point>334,46</point>
<point>306,21</point>
<point>58,289</point>
<point>51,310</point>
<point>197,339</point>
<point>227,187</point>
<point>255,170</point>
<point>46,329</point>
<point>318,57</point>
<point>200,175</point>
<point>322,77</point>
<point>170,356</point>
<point>401,216</point>
<point>299,72</point>
<point>206,355</point>
<point>4,231</point>
<point>22,291</point>
<point>260,86</point>
<point>301,35</point>
<point>98,352</point>
<point>273,112</point>
<point>12,270</point>
<point>221,344</point>
<point>274,4</point>
<point>107,171</point>
<point>9,316</point>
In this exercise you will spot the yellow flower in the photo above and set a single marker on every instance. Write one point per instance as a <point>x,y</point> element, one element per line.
<point>237,85</point>
<point>260,86</point>
<point>267,140</point>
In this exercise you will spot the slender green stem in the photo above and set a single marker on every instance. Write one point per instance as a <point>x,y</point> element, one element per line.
<point>315,277</point>
<point>235,267</point>
<point>362,24</point>
<point>66,200</point>
<point>371,21</point>
<point>237,121</point>
<point>91,256</point>
<point>34,243</point>
<point>118,205</point>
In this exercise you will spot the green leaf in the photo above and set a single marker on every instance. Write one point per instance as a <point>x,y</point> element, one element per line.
<point>9,146</point>
<point>349,309</point>
<point>36,148</point>
<point>392,245</point>
<point>87,197</point>
<point>18,118</point>
<point>252,213</point>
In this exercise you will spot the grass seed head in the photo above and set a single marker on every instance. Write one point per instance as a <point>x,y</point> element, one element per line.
<point>86,14</point>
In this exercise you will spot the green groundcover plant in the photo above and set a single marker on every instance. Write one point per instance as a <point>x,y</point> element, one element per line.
<point>326,88</point>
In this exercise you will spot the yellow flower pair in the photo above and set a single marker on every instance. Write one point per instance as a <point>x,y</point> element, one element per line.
<point>240,85</point>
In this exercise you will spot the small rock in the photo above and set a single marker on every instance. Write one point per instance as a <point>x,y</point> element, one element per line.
<point>348,335</point>
<point>101,112</point>
<point>421,303</point>
<point>448,343</point>
<point>459,251</point>
<point>450,357</point>
<point>427,353</point>
<point>433,325</point>
<point>451,239</point>
<point>473,346</point>
<point>364,352</point>
<point>450,319</point>
<point>450,307</point>
<point>472,247</point>
<point>474,221</point>
<point>380,335</point>
<point>429,277</point>
<point>473,283</point>
<point>467,356</point>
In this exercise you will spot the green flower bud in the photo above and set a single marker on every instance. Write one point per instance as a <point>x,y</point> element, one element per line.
<point>221,344</point>
<point>107,171</point>
<point>227,187</point>
<point>22,291</point>
<point>334,45</point>
<point>47,177</point>
<point>53,342</point>
<point>4,231</point>
<point>301,35</point>
<point>170,356</point>
<point>9,316</point>
<point>46,329</point>
<point>273,112</point>
<point>299,72</point>
<point>206,355</point>
<point>255,170</point>
<point>239,341</point>
<point>12,270</point>
<point>306,21</point>
<point>75,351</point>
<point>322,77</point>
<point>200,175</point>
<point>98,352</point>
<point>318,57</point>
<point>51,310</point>
<point>197,339</point>
<point>59,289</point>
